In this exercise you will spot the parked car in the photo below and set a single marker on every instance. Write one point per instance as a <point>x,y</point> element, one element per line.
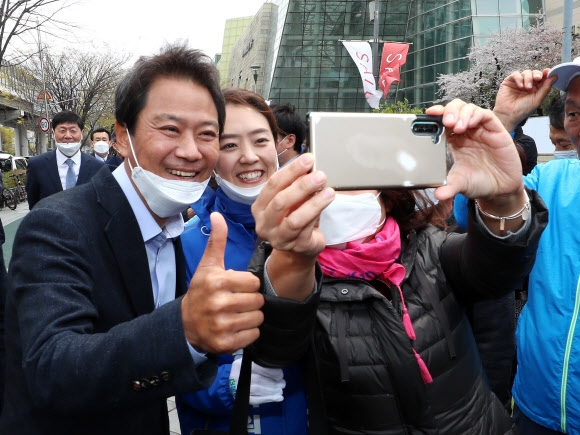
<point>8,162</point>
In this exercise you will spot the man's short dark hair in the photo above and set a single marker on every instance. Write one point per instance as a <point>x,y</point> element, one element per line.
<point>174,61</point>
<point>100,130</point>
<point>67,116</point>
<point>290,122</point>
<point>556,111</point>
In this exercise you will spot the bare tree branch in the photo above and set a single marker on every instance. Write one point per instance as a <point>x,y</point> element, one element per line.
<point>20,18</point>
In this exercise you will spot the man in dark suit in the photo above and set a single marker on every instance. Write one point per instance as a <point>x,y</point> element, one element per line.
<point>100,144</point>
<point>64,167</point>
<point>101,327</point>
<point>3,286</point>
<point>115,159</point>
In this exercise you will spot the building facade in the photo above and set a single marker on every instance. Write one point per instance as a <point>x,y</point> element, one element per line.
<point>233,30</point>
<point>251,57</point>
<point>304,63</point>
<point>442,33</point>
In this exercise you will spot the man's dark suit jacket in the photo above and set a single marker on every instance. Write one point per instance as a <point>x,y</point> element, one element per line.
<point>109,157</point>
<point>87,353</point>
<point>42,177</point>
<point>3,286</point>
<point>114,161</point>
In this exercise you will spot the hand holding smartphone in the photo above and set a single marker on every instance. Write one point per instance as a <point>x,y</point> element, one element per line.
<point>360,151</point>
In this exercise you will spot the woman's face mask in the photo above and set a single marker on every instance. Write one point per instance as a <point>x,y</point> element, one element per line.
<point>350,218</point>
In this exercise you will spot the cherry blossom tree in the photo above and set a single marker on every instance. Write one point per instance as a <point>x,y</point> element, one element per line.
<point>514,49</point>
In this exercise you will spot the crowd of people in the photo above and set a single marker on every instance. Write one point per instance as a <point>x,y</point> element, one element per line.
<point>205,259</point>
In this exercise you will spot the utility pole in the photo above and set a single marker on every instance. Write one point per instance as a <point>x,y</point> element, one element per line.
<point>42,75</point>
<point>375,47</point>
<point>42,72</point>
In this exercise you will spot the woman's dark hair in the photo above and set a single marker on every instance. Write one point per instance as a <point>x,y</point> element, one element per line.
<point>242,97</point>
<point>174,61</point>
<point>522,155</point>
<point>412,209</point>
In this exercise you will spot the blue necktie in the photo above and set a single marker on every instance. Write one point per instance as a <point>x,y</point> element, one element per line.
<point>71,179</point>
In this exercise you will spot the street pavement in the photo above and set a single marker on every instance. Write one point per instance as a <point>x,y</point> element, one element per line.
<point>11,220</point>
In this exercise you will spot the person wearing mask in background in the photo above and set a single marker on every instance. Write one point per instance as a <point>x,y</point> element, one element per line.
<point>101,325</point>
<point>380,326</point>
<point>64,167</point>
<point>291,132</point>
<point>246,161</point>
<point>100,144</point>
<point>564,148</point>
<point>116,158</point>
<point>547,380</point>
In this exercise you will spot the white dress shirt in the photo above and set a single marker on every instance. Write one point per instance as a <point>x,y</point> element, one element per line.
<point>63,166</point>
<point>159,247</point>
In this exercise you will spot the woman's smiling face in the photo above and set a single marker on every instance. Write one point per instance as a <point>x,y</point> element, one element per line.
<point>247,155</point>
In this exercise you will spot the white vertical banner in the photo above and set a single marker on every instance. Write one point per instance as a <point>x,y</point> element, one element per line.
<point>360,51</point>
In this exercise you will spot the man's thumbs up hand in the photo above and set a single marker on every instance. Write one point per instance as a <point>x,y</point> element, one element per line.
<point>221,310</point>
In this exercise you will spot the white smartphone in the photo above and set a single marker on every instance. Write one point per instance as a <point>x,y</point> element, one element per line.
<point>360,151</point>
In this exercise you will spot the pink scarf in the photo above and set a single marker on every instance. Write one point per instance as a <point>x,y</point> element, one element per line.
<point>375,259</point>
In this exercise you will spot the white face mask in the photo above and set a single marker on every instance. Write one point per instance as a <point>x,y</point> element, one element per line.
<point>570,154</point>
<point>243,195</point>
<point>164,197</point>
<point>350,218</point>
<point>101,147</point>
<point>68,149</point>
<point>282,140</point>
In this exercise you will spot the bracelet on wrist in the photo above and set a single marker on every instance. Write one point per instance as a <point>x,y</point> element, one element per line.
<point>524,213</point>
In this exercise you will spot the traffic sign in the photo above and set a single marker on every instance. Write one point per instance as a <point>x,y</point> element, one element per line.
<point>44,125</point>
<point>44,95</point>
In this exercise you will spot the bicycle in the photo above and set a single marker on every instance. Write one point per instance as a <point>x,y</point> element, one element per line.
<point>8,198</point>
<point>18,189</point>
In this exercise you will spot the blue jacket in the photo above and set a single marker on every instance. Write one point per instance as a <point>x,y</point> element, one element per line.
<point>241,233</point>
<point>212,408</point>
<point>548,333</point>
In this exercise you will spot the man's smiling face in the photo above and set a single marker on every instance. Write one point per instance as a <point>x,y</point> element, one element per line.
<point>177,134</point>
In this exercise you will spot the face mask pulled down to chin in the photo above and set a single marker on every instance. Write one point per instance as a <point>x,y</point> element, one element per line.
<point>68,149</point>
<point>243,195</point>
<point>164,197</point>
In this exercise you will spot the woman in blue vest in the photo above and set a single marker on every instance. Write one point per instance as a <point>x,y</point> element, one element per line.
<point>247,159</point>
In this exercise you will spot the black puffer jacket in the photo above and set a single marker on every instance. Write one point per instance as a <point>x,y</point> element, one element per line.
<point>362,366</point>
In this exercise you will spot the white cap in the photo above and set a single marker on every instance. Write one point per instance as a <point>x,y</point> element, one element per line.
<point>566,72</point>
